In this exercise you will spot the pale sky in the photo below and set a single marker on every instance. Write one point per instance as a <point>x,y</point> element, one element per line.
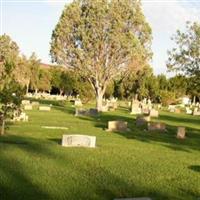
<point>30,24</point>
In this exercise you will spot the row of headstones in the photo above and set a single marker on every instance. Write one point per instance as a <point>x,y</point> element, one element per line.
<point>118,126</point>
<point>190,111</point>
<point>108,105</point>
<point>47,96</point>
<point>27,105</point>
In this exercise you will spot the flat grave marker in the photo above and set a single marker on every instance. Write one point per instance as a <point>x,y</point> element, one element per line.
<point>79,141</point>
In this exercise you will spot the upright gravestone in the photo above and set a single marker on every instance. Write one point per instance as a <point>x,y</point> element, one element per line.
<point>153,113</point>
<point>93,112</point>
<point>142,120</point>
<point>196,112</point>
<point>180,133</point>
<point>117,126</point>
<point>79,141</point>
<point>28,107</point>
<point>135,108</point>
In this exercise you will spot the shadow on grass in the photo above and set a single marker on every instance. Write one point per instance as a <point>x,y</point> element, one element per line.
<point>195,168</point>
<point>17,184</point>
<point>94,181</point>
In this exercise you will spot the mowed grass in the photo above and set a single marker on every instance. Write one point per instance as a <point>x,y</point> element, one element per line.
<point>34,166</point>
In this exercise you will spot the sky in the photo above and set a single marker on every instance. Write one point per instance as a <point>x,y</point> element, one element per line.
<point>30,23</point>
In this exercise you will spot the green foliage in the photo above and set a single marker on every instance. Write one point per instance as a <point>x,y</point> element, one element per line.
<point>186,56</point>
<point>178,85</point>
<point>44,80</point>
<point>100,38</point>
<point>167,97</point>
<point>34,65</point>
<point>9,53</point>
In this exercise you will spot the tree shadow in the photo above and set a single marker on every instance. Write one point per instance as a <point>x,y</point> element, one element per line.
<point>16,183</point>
<point>167,139</point>
<point>195,168</point>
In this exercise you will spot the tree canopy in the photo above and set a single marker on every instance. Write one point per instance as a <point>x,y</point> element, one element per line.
<point>100,38</point>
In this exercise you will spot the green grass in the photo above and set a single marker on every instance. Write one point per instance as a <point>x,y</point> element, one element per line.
<point>34,166</point>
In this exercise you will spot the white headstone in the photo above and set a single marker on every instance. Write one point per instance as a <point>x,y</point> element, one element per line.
<point>28,107</point>
<point>79,141</point>
<point>44,108</point>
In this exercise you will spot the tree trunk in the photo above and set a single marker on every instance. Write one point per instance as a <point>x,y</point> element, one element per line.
<point>99,99</point>
<point>99,102</point>
<point>27,87</point>
<point>3,127</point>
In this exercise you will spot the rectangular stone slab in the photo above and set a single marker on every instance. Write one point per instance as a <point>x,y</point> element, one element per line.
<point>181,133</point>
<point>154,113</point>
<point>79,141</point>
<point>44,108</point>
<point>28,107</point>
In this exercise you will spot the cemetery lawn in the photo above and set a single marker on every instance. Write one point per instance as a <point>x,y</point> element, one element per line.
<point>34,166</point>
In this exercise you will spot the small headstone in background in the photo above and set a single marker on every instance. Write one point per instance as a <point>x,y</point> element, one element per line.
<point>156,126</point>
<point>93,112</point>
<point>28,107</point>
<point>44,108</point>
<point>196,112</point>
<point>35,103</point>
<point>188,111</point>
<point>78,103</point>
<point>142,120</point>
<point>153,113</point>
<point>181,133</point>
<point>25,102</point>
<point>117,126</point>
<point>177,110</point>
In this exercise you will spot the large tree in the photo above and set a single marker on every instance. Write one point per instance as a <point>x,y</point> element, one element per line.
<point>100,38</point>
<point>185,57</point>
<point>10,90</point>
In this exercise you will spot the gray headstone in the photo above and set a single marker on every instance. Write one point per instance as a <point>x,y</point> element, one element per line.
<point>156,126</point>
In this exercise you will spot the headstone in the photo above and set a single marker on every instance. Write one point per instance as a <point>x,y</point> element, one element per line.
<point>171,108</point>
<point>156,126</point>
<point>93,112</point>
<point>21,117</point>
<point>145,110</point>
<point>25,102</point>
<point>177,110</point>
<point>117,126</point>
<point>44,108</point>
<point>135,108</point>
<point>105,108</point>
<point>28,107</point>
<point>188,111</point>
<point>78,103</point>
<point>153,113</point>
<point>79,141</point>
<point>181,133</point>
<point>35,103</point>
<point>196,112</point>
<point>80,112</point>
<point>142,120</point>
